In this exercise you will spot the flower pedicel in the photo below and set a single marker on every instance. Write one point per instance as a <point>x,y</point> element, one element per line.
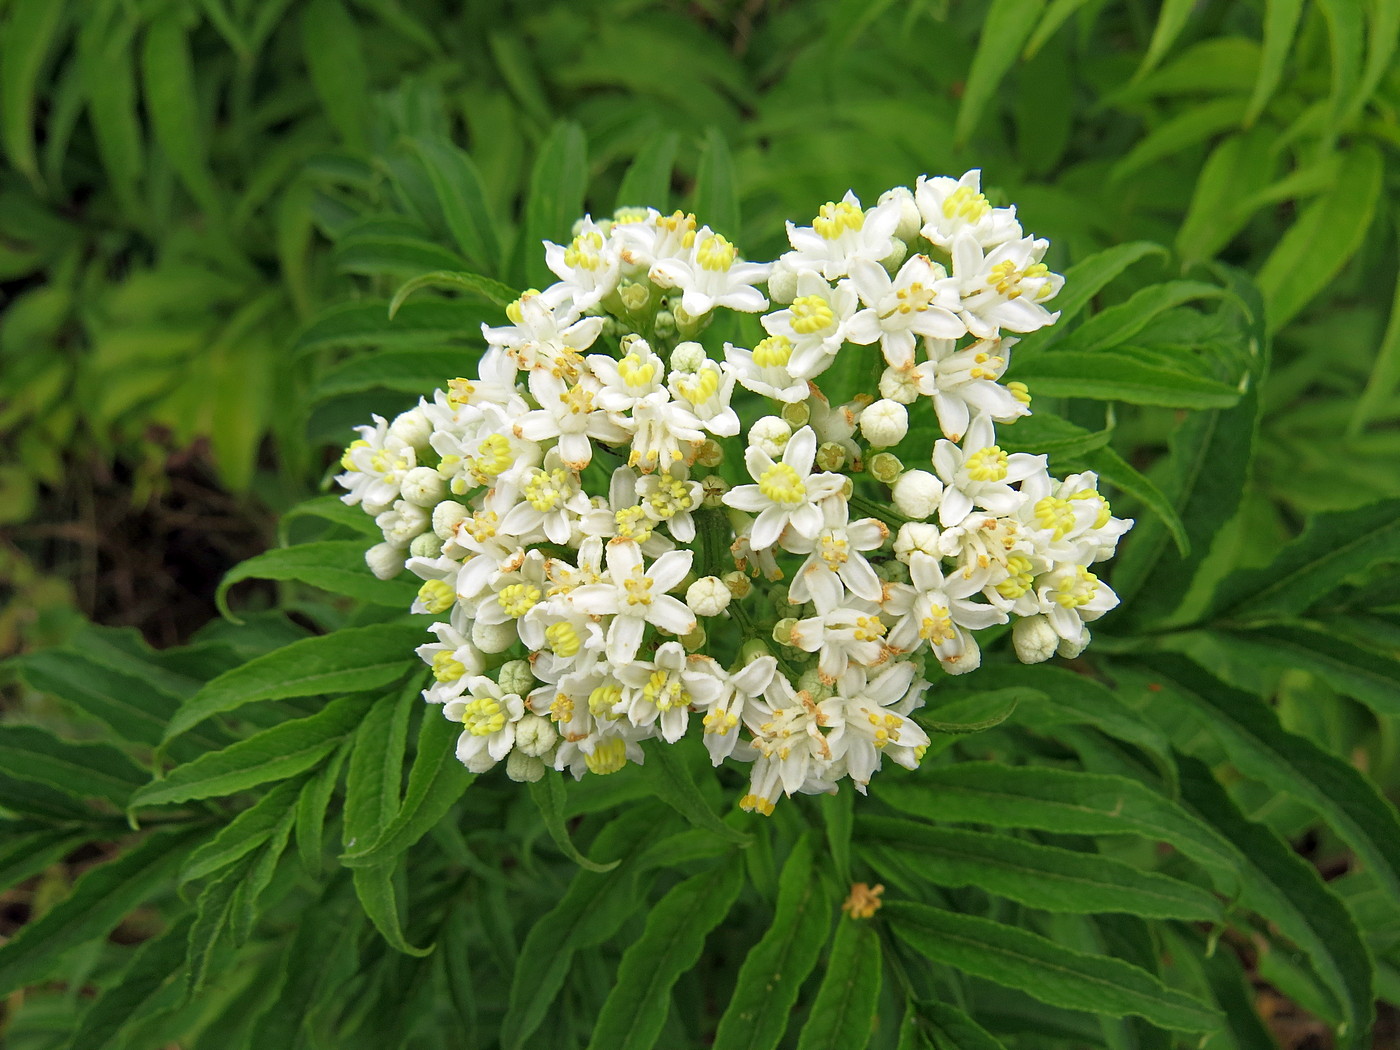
<point>626,533</point>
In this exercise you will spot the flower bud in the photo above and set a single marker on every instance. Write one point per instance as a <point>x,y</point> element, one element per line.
<point>753,649</point>
<point>494,637</point>
<point>425,545</point>
<point>708,596</point>
<point>899,385</point>
<point>688,357</point>
<point>712,490</point>
<point>515,677</point>
<point>523,768</point>
<point>665,324</point>
<point>695,640</point>
<point>917,494</point>
<point>412,428</point>
<point>771,435</point>
<point>1034,640</point>
<point>891,262</point>
<point>534,736</point>
<point>384,560</point>
<point>910,221</point>
<point>831,455</point>
<point>884,423</point>
<point>401,523</point>
<point>739,584</point>
<point>916,537</point>
<point>423,487</point>
<point>886,467</point>
<point>1068,650</point>
<point>711,453</point>
<point>796,413</point>
<point>635,297</point>
<point>968,660</point>
<point>446,517</point>
<point>782,283</point>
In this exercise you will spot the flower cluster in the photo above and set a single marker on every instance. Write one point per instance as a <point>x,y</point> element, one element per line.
<point>627,534</point>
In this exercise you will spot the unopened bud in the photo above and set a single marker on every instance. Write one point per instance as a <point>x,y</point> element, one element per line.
<point>665,324</point>
<point>384,560</point>
<point>900,385</point>
<point>688,357</point>
<point>494,637</point>
<point>968,660</point>
<point>708,596</point>
<point>412,428</point>
<point>635,297</point>
<point>796,413</point>
<point>910,221</point>
<point>534,735</point>
<point>770,434</point>
<point>884,423</point>
<point>916,537</point>
<point>695,640</point>
<point>446,517</point>
<point>523,768</point>
<point>423,487</point>
<point>885,467</point>
<point>425,545</point>
<point>402,522</point>
<point>782,283</point>
<point>1068,650</point>
<point>1034,640</point>
<point>516,677</point>
<point>891,262</point>
<point>917,493</point>
<point>810,682</point>
<point>752,650</point>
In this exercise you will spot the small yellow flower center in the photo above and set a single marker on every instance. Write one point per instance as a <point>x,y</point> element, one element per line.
<point>346,460</point>
<point>1020,392</point>
<point>914,297</point>
<point>561,709</point>
<point>577,400</point>
<point>518,598</point>
<point>754,804</point>
<point>494,457</point>
<point>603,699</point>
<point>884,727</point>
<point>965,203</point>
<point>716,254</point>
<point>781,484</point>
<point>608,756</point>
<point>833,219</point>
<point>719,722</point>
<point>700,387</point>
<point>665,690</point>
<point>459,392</point>
<point>811,313</point>
<point>484,716</point>
<point>546,489</point>
<point>514,310</point>
<point>773,352</point>
<point>868,629</point>
<point>638,587</point>
<point>1077,588</point>
<point>1019,580</point>
<point>585,251</point>
<point>670,497</point>
<point>633,524</point>
<point>437,596</point>
<point>679,222</point>
<point>1054,514</point>
<point>988,464</point>
<point>635,371</point>
<point>481,526</point>
<point>937,626</point>
<point>834,548</point>
<point>563,639</point>
<point>1105,511</point>
<point>446,667</point>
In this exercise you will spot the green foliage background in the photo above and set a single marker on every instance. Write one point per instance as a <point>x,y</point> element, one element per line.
<point>205,210</point>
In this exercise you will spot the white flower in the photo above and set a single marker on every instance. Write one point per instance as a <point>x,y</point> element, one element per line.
<point>662,690</point>
<point>385,560</point>
<point>402,523</point>
<point>921,300</point>
<point>771,434</point>
<point>964,382</point>
<point>909,218</point>
<point>587,269</point>
<point>841,636</point>
<point>488,717</point>
<point>567,413</point>
<point>764,369</point>
<point>666,497</point>
<point>454,660</point>
<point>950,207</point>
<point>553,500</point>
<point>711,275</point>
<point>786,493</point>
<point>375,465</point>
<point>1070,596</point>
<point>980,474</point>
<point>636,596</point>
<point>815,323</point>
<point>835,558</point>
<point>705,391</point>
<point>936,611</point>
<point>842,234</point>
<point>884,423</point>
<point>793,751</point>
<point>866,724</point>
<point>545,336</point>
<point>1003,288</point>
<point>916,537</point>
<point>729,710</point>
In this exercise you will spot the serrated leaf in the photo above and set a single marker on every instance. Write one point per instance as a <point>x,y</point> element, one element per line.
<point>1332,548</point>
<point>1327,233</point>
<point>97,902</point>
<point>244,911</point>
<point>274,754</point>
<point>337,566</point>
<point>1038,876</point>
<point>774,969</point>
<point>373,780</point>
<point>311,811</point>
<point>210,919</point>
<point>1369,677</point>
<point>938,1026</point>
<point>548,793</point>
<point>674,785</point>
<point>1045,970</point>
<point>351,658</point>
<point>555,201</point>
<point>1007,26</point>
<point>1252,737</point>
<point>716,191</point>
<point>635,1010</point>
<point>462,197</point>
<point>843,1013</point>
<point>152,966</point>
<point>483,287</point>
<point>1056,800</point>
<point>245,833</point>
<point>374,886</point>
<point>647,183</point>
<point>436,782</point>
<point>82,770</point>
<point>28,849</point>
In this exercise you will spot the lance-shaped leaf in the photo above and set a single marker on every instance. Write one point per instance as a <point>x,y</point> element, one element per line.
<point>245,833</point>
<point>1045,877</point>
<point>716,191</point>
<point>152,967</point>
<point>673,783</point>
<point>548,793</point>
<point>635,1010</point>
<point>1045,970</point>
<point>86,770</point>
<point>457,184</point>
<point>1118,324</point>
<point>374,885</point>
<point>337,566</point>
<point>376,764</point>
<point>843,1014</point>
<point>356,658</point>
<point>367,323</point>
<point>492,291</point>
<point>647,182</point>
<point>557,185</point>
<point>411,370</point>
<point>1112,376</point>
<point>1008,25</point>
<point>29,848</point>
<point>1370,677</point>
<point>775,968</point>
<point>938,1026</point>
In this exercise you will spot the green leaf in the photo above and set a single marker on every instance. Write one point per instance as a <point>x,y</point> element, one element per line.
<point>938,1026</point>
<point>1280,25</point>
<point>31,30</point>
<point>773,971</point>
<point>1237,169</point>
<point>435,783</point>
<point>245,907</point>
<point>410,370</point>
<point>28,849</point>
<point>1086,278</point>
<point>483,287</point>
<point>1282,886</point>
<point>333,509</point>
<point>1346,32</point>
<point>368,324</point>
<point>1056,800</point>
<point>647,183</point>
<point>548,793</point>
<point>330,46</point>
<point>374,251</point>
<point>1005,29</point>
<point>1120,323</point>
<point>1326,235</point>
<point>1107,375</point>
<point>1171,20</point>
<point>1385,372</point>
<point>274,754</point>
<point>1045,970</point>
<point>1252,737</point>
<point>1187,129</point>
<point>555,202</point>
<point>1333,548</point>
<point>87,770</point>
<point>716,189</point>
<point>590,911</point>
<point>153,964</point>
<point>972,712</point>
<point>838,819</point>
<point>107,66</point>
<point>375,887</point>
<point>1045,877</point>
<point>635,1010</point>
<point>245,833</point>
<point>337,566</point>
<point>97,902</point>
<point>210,920</point>
<point>674,785</point>
<point>171,96</point>
<point>351,658</point>
<point>375,775</point>
<point>1366,676</point>
<point>462,197</point>
<point>843,1013</point>
<point>311,811</point>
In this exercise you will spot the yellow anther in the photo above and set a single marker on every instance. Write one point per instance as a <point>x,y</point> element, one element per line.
<point>864,900</point>
<point>773,352</point>
<point>1020,392</point>
<point>833,219</point>
<point>1078,589</point>
<point>914,297</point>
<point>436,596</point>
<point>670,498</point>
<point>811,313</point>
<point>1054,514</point>
<point>563,639</point>
<point>584,252</point>
<point>514,310</point>
<point>561,709</point>
<point>665,690</point>
<point>603,699</point>
<point>700,387</point>
<point>754,804</point>
<point>716,254</point>
<point>988,464</point>
<point>459,392</point>
<point>834,549</point>
<point>481,526</point>
<point>1020,578</point>
<point>869,629</point>
<point>635,371</point>
<point>937,626</point>
<point>633,524</point>
<point>484,716</point>
<point>781,484</point>
<point>349,451</point>
<point>719,722</point>
<point>608,756</point>
<point>965,203</point>
<point>1105,512</point>
<point>577,400</point>
<point>677,222</point>
<point>638,587</point>
<point>494,457</point>
<point>446,667</point>
<point>518,598</point>
<point>546,488</point>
